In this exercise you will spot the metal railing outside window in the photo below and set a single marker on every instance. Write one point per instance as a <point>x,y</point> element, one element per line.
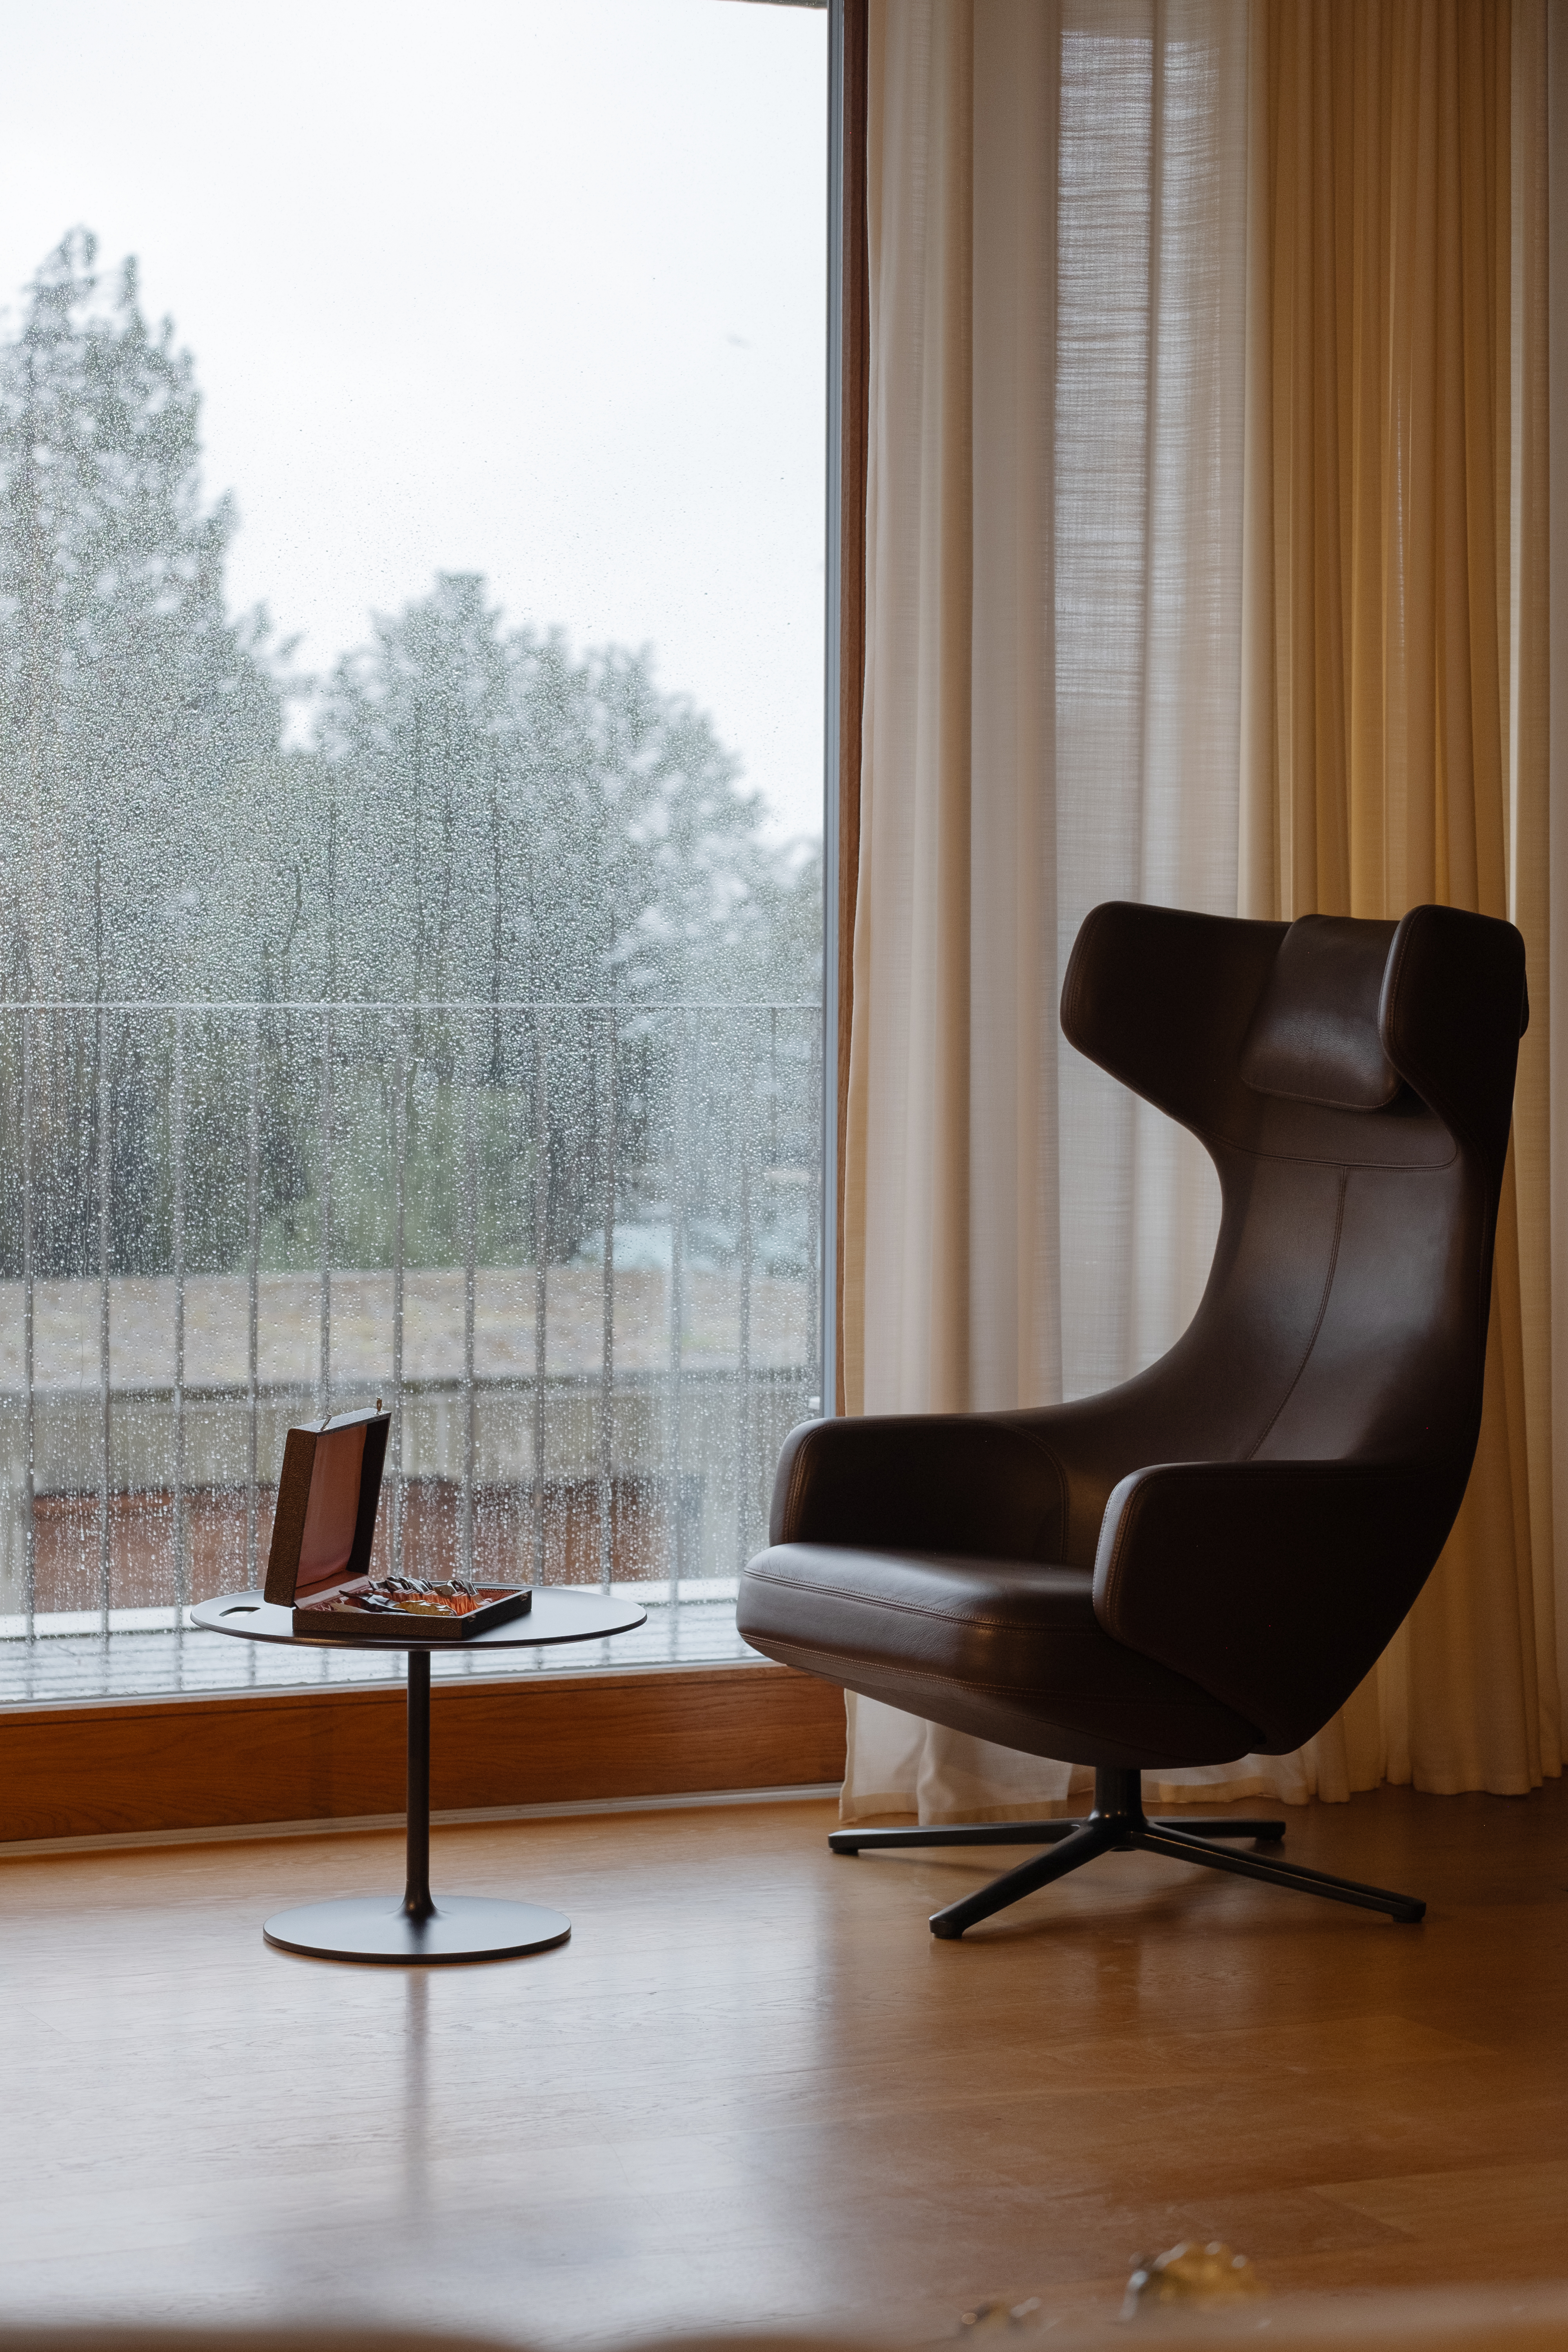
<point>573,1245</point>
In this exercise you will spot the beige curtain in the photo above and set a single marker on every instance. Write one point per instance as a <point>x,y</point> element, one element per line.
<point>1206,565</point>
<point>1399,376</point>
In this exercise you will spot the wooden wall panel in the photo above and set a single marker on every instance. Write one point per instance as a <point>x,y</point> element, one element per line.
<point>200,1763</point>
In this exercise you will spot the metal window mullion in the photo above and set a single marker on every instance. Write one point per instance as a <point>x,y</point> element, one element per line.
<point>826,1222</point>
<point>399,1245</point>
<point>819,1302</point>
<point>470,1251</point>
<point>745,1444</point>
<point>252,1300</point>
<point>487,1005</point>
<point>674,1451</point>
<point>324,1372</point>
<point>608,1323</point>
<point>177,1253</point>
<point>29,1401</point>
<point>105,1461</point>
<point>540,1293</point>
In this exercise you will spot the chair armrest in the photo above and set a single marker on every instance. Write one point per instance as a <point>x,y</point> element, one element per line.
<point>921,1482</point>
<point>1273,1585</point>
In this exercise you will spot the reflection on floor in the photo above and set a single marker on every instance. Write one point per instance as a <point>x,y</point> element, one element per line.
<point>752,2090</point>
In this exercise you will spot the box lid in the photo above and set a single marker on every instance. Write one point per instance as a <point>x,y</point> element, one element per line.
<point>327,1495</point>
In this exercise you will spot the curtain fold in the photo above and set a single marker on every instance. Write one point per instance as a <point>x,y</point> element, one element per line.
<point>1403,332</point>
<point>1206,565</point>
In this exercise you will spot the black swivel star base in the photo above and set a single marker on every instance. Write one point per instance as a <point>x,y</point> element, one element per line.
<point>1117,1825</point>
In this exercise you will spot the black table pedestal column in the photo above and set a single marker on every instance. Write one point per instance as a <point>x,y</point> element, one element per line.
<point>417,1902</point>
<point>462,1927</point>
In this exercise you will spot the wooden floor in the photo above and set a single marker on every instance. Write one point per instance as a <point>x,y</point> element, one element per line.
<point>753,2090</point>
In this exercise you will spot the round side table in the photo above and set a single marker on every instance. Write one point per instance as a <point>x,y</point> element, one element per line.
<point>419,1929</point>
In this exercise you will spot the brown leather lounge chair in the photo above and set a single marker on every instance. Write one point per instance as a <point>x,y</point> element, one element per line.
<point>1205,1561</point>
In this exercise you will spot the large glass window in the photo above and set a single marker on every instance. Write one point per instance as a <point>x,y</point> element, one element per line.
<point>411,494</point>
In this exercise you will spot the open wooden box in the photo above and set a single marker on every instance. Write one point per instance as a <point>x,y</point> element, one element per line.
<point>319,1565</point>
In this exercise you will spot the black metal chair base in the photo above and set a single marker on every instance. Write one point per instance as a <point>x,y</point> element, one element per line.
<point>1117,1825</point>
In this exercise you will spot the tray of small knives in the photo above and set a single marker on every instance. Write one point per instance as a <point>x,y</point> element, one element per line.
<point>453,1609</point>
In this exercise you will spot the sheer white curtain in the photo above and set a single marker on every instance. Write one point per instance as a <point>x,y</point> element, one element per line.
<point>1058,206</point>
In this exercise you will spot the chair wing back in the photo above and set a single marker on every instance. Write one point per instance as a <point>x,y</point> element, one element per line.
<point>1352,1083</point>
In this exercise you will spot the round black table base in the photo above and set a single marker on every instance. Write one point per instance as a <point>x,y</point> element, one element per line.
<point>375,1927</point>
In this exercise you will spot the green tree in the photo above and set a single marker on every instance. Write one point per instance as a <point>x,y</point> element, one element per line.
<point>130,704</point>
<point>517,821</point>
<point>482,814</point>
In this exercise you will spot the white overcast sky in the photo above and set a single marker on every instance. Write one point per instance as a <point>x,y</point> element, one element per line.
<point>530,287</point>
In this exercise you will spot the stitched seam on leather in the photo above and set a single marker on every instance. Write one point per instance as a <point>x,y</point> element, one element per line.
<point>796,1481</point>
<point>964,1682</point>
<point>1392,979</point>
<point>883,1600</point>
<point>1074,999</point>
<point>1394,970</point>
<point>1117,1551</point>
<point>1454,1127</point>
<point>1323,1102</point>
<point>1322,1159</point>
<point>1322,1310</point>
<point>1037,1445</point>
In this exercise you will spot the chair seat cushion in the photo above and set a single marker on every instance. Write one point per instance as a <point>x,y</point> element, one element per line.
<point>1009,1650</point>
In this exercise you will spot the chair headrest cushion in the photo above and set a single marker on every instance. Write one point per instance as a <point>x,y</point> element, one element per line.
<point>1315,1036</point>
